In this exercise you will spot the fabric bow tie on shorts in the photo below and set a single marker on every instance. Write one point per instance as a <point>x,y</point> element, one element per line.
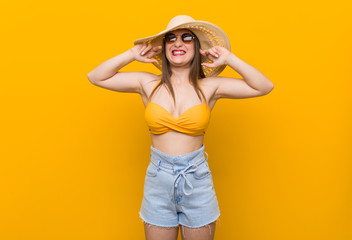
<point>182,173</point>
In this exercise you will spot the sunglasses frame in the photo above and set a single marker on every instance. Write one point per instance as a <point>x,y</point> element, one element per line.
<point>187,42</point>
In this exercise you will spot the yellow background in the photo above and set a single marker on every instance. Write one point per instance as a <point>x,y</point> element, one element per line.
<point>74,156</point>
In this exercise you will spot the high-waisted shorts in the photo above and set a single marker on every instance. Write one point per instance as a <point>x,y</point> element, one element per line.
<point>178,189</point>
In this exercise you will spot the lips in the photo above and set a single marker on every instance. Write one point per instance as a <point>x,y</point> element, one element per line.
<point>178,52</point>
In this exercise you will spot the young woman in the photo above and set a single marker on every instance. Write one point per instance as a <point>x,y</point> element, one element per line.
<point>178,188</point>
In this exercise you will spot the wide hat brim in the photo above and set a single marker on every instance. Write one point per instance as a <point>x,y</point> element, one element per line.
<point>209,35</point>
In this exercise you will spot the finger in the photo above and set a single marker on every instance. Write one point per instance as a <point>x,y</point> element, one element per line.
<point>217,47</point>
<point>146,49</point>
<point>157,50</point>
<point>204,52</point>
<point>212,58</point>
<point>217,51</point>
<point>213,53</point>
<point>151,53</point>
<point>205,64</point>
<point>139,46</point>
<point>142,49</point>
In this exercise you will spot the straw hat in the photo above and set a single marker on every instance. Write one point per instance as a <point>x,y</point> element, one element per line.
<point>209,35</point>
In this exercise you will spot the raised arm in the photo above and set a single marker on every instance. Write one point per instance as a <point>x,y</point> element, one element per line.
<point>107,74</point>
<point>253,84</point>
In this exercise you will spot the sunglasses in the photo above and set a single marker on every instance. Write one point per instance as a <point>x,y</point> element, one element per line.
<point>186,37</point>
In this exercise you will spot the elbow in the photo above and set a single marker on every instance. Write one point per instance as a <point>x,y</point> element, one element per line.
<point>268,89</point>
<point>90,79</point>
<point>271,88</point>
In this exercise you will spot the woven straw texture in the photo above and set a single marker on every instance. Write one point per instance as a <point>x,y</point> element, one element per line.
<point>209,35</point>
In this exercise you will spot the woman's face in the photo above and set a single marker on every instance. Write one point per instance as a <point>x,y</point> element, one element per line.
<point>186,55</point>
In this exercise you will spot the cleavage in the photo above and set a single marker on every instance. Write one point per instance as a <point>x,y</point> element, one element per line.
<point>164,93</point>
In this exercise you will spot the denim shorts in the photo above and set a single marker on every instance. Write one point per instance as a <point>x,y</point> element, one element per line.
<point>178,189</point>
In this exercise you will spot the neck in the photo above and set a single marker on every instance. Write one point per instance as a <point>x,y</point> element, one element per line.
<point>180,75</point>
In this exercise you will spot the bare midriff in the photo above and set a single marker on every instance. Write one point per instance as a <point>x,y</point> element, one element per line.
<point>176,143</point>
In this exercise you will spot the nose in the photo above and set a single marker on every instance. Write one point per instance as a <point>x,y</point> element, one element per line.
<point>178,41</point>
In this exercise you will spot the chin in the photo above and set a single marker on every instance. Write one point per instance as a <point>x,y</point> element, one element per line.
<point>180,62</point>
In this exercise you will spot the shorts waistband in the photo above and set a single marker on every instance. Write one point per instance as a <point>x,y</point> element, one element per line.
<point>177,161</point>
<point>179,165</point>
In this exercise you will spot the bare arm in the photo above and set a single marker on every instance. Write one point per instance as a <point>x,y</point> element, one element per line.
<point>107,74</point>
<point>110,67</point>
<point>251,76</point>
<point>253,84</point>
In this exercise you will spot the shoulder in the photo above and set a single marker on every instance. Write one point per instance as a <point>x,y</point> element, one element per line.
<point>148,82</point>
<point>147,77</point>
<point>207,81</point>
<point>209,84</point>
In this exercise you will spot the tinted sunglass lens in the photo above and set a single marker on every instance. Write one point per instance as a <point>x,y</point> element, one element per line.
<point>171,38</point>
<point>187,37</point>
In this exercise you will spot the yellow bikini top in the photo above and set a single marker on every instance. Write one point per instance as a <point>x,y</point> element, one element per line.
<point>193,121</point>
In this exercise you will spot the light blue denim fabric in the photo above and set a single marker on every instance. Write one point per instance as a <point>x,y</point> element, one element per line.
<point>178,189</point>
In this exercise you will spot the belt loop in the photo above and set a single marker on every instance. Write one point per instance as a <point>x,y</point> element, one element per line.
<point>156,164</point>
<point>159,164</point>
<point>207,155</point>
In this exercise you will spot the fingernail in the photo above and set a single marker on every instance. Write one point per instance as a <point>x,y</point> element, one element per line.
<point>216,55</point>
<point>142,53</point>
